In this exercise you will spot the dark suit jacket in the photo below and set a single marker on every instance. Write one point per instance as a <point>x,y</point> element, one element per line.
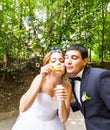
<point>96,83</point>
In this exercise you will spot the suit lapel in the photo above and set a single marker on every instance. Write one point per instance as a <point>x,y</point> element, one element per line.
<point>72,82</point>
<point>84,86</point>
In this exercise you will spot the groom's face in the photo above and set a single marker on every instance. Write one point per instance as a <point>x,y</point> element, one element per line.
<point>74,62</point>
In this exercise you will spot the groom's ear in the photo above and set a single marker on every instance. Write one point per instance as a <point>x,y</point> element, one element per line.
<point>85,60</point>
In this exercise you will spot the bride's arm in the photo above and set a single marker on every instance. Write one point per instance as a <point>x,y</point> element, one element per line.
<point>28,98</point>
<point>64,105</point>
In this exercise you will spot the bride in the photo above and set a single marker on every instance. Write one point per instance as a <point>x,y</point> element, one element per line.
<point>45,106</point>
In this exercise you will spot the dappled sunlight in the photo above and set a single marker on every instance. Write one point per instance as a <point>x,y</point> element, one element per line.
<point>75,121</point>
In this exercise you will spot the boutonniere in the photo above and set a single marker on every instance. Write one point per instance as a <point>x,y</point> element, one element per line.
<point>85,97</point>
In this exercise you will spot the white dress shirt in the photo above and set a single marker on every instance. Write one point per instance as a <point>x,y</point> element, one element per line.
<point>77,86</point>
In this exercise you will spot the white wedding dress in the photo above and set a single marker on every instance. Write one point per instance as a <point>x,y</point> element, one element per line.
<point>42,115</point>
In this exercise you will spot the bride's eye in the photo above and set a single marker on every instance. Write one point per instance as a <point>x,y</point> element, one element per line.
<point>61,60</point>
<point>52,60</point>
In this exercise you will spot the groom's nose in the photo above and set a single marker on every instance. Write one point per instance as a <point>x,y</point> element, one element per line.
<point>68,61</point>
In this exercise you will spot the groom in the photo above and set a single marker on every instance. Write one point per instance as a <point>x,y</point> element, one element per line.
<point>91,89</point>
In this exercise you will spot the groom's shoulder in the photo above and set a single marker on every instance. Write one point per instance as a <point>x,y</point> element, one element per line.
<point>98,71</point>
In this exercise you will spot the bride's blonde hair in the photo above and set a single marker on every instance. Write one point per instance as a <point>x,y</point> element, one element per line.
<point>47,57</point>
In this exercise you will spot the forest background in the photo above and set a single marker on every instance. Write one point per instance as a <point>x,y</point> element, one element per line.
<point>31,28</point>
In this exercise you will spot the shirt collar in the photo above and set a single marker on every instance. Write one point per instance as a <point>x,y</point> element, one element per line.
<point>80,74</point>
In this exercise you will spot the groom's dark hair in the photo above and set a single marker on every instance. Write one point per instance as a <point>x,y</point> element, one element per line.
<point>80,48</point>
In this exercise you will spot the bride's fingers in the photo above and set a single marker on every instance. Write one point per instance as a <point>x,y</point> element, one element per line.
<point>45,70</point>
<point>61,93</point>
<point>61,96</point>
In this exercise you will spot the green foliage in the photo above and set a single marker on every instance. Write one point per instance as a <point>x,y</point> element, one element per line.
<point>6,69</point>
<point>31,26</point>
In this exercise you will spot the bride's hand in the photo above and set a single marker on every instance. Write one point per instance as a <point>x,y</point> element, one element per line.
<point>45,70</point>
<point>60,92</point>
